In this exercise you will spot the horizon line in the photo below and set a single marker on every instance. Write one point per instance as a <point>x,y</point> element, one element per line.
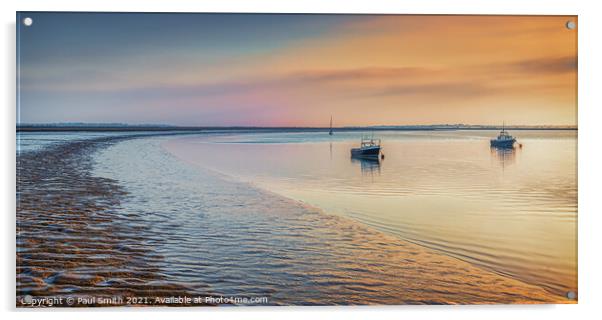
<point>122,124</point>
<point>156,127</point>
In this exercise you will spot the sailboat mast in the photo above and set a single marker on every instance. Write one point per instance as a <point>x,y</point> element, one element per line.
<point>330,131</point>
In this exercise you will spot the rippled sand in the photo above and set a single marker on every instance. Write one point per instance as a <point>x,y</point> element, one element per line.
<point>110,217</point>
<point>72,239</point>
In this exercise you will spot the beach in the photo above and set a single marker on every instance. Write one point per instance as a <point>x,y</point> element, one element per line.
<point>71,238</point>
<point>125,216</point>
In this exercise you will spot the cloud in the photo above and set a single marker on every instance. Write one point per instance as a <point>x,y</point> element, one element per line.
<point>544,65</point>
<point>438,84</point>
<point>444,90</point>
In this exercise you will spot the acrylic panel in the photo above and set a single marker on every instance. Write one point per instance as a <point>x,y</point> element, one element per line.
<point>204,159</point>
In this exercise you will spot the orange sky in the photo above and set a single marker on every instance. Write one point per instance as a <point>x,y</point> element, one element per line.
<point>438,69</point>
<point>363,70</point>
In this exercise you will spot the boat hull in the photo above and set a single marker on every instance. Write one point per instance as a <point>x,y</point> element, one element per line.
<point>503,143</point>
<point>371,152</point>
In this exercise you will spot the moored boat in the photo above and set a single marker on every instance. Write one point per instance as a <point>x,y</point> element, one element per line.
<point>369,148</point>
<point>503,140</point>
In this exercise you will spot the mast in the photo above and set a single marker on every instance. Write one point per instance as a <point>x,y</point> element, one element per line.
<point>330,132</point>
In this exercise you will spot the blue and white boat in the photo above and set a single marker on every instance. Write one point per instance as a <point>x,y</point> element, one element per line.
<point>369,148</point>
<point>503,140</point>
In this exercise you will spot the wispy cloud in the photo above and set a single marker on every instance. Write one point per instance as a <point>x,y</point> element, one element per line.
<point>544,65</point>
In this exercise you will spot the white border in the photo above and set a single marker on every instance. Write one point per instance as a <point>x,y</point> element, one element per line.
<point>590,160</point>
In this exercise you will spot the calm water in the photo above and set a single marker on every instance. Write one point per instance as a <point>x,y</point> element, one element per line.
<point>220,235</point>
<point>511,212</point>
<point>289,216</point>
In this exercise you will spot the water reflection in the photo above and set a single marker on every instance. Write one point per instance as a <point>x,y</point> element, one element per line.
<point>367,165</point>
<point>280,248</point>
<point>504,156</point>
<point>439,189</point>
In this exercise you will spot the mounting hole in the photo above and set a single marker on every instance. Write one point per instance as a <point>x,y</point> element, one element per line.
<point>571,295</point>
<point>570,25</point>
<point>27,21</point>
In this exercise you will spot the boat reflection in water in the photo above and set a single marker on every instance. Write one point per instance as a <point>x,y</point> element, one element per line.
<point>368,165</point>
<point>368,155</point>
<point>504,156</point>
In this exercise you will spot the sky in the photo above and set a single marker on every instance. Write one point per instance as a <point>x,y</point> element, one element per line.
<point>296,70</point>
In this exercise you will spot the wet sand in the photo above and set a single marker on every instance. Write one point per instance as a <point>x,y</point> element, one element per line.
<point>74,238</point>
